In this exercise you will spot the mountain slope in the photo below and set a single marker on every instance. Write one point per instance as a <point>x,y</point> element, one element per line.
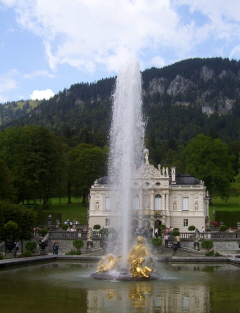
<point>180,101</point>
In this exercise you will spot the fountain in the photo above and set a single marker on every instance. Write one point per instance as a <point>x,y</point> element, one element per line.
<point>126,155</point>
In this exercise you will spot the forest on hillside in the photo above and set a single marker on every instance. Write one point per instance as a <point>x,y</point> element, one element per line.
<point>181,103</point>
<point>177,100</point>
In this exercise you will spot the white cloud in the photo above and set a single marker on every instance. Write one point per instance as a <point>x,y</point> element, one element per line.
<point>42,94</point>
<point>7,82</point>
<point>38,73</point>
<point>235,53</point>
<point>158,61</point>
<point>3,99</point>
<point>88,34</point>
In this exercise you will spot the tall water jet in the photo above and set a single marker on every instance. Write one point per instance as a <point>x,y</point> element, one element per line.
<point>126,147</point>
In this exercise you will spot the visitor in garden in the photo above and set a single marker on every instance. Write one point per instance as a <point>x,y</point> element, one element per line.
<point>55,247</point>
<point>15,249</point>
<point>202,231</point>
<point>166,238</point>
<point>178,241</point>
<point>156,232</point>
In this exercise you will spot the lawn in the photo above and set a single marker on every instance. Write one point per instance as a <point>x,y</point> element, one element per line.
<point>75,211</point>
<point>232,204</point>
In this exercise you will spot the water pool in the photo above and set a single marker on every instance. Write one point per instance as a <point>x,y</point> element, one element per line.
<point>66,287</point>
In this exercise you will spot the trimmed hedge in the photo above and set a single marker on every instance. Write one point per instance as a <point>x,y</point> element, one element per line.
<point>43,217</point>
<point>229,218</point>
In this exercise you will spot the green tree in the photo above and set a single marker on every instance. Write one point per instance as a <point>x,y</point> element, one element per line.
<point>208,159</point>
<point>34,156</point>
<point>86,164</point>
<point>6,187</point>
<point>24,218</point>
<point>10,231</point>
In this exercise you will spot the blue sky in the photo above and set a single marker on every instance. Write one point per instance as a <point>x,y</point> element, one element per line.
<point>48,45</point>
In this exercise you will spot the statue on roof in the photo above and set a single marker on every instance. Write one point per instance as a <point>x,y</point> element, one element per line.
<point>146,154</point>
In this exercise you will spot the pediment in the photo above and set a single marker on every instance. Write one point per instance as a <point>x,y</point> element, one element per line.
<point>149,171</point>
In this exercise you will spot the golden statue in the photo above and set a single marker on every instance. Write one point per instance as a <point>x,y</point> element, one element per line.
<point>138,251</point>
<point>137,270</point>
<point>136,258</point>
<point>108,263</point>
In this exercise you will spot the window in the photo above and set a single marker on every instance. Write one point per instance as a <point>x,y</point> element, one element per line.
<point>185,222</point>
<point>107,222</point>
<point>107,204</point>
<point>158,203</point>
<point>135,203</point>
<point>158,184</point>
<point>185,204</point>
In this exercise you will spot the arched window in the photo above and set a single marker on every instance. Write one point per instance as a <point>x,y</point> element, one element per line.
<point>158,203</point>
<point>135,203</point>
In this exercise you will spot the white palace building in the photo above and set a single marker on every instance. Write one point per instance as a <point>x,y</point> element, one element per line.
<point>159,196</point>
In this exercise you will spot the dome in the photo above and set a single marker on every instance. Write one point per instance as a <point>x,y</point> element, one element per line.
<point>103,180</point>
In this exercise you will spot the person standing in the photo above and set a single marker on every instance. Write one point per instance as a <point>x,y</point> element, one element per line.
<point>156,232</point>
<point>55,247</point>
<point>15,249</point>
<point>202,232</point>
<point>178,241</point>
<point>166,238</point>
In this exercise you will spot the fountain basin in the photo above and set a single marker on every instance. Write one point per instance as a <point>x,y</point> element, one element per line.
<point>123,276</point>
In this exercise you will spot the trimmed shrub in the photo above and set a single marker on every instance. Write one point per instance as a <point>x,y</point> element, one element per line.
<point>43,217</point>
<point>64,226</point>
<point>31,246</point>
<point>43,231</point>
<point>78,244</point>
<point>191,228</point>
<point>156,242</point>
<point>1,256</point>
<point>223,228</point>
<point>97,226</point>
<point>175,233</point>
<point>230,218</point>
<point>162,227</point>
<point>212,253</point>
<point>207,245</point>
<point>27,253</point>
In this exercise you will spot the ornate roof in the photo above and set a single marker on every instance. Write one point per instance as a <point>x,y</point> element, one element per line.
<point>149,171</point>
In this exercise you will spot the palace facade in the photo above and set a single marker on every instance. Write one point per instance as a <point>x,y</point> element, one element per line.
<point>159,196</point>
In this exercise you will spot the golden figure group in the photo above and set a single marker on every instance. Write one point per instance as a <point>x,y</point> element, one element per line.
<point>136,258</point>
<point>137,270</point>
<point>108,263</point>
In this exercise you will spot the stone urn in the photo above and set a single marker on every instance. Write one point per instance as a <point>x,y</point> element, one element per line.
<point>43,244</point>
<point>175,246</point>
<point>9,245</point>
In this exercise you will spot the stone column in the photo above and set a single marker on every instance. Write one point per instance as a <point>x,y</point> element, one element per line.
<point>152,200</point>
<point>163,202</point>
<point>167,204</point>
